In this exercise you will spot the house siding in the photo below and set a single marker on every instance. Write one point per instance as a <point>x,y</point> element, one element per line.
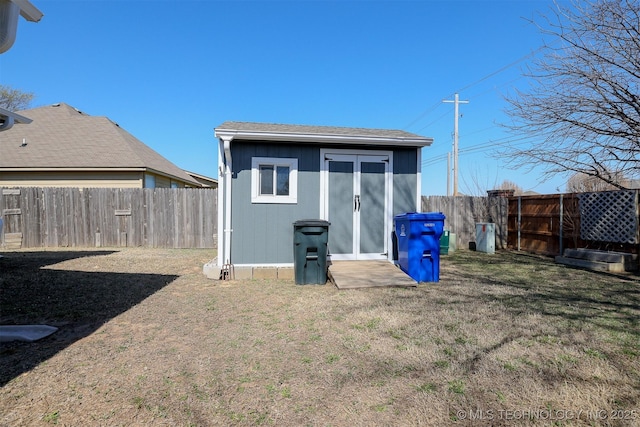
<point>83,179</point>
<point>162,182</point>
<point>71,179</point>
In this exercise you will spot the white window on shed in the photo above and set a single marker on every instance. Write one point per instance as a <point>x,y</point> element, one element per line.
<point>274,180</point>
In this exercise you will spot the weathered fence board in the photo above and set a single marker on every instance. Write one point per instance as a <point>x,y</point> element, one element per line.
<point>534,223</point>
<point>87,217</point>
<point>463,212</point>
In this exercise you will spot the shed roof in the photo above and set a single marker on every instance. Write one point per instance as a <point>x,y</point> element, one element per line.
<point>62,137</point>
<point>308,133</point>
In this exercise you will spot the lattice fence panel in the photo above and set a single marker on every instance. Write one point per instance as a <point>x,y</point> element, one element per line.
<point>609,216</point>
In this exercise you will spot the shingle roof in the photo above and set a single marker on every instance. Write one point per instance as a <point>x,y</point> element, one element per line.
<point>60,136</point>
<point>320,131</point>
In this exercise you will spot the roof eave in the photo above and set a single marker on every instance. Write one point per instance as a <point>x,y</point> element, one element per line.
<point>101,169</point>
<point>230,134</point>
<point>172,176</point>
<point>72,169</point>
<point>200,176</point>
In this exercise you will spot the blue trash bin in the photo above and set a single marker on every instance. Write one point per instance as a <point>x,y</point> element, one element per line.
<point>418,236</point>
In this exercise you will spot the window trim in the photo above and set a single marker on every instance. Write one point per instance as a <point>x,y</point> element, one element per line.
<point>291,163</point>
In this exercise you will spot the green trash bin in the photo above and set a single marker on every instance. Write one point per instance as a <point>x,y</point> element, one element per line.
<point>310,238</point>
<point>444,243</point>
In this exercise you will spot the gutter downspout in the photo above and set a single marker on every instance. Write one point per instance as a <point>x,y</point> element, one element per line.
<point>226,253</point>
<point>8,124</point>
<point>9,118</point>
<point>222,186</point>
<point>419,183</point>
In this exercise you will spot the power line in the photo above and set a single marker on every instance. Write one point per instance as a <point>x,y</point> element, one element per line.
<point>446,113</point>
<point>488,76</point>
<point>499,70</point>
<point>478,147</point>
<point>433,107</point>
<point>477,95</point>
<point>484,146</point>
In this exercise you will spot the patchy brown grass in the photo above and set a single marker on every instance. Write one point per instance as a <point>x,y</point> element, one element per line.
<point>146,339</point>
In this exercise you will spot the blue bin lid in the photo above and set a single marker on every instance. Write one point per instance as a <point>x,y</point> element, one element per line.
<point>422,216</point>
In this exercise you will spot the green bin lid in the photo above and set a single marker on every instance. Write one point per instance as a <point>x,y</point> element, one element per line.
<point>311,223</point>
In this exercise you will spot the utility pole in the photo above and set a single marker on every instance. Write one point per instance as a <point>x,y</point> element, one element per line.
<point>455,102</point>
<point>448,174</point>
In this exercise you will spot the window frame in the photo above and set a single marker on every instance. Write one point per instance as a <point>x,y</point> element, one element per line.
<point>291,163</point>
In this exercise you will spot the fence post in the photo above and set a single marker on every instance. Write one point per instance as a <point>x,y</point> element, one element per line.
<point>519,219</point>
<point>561,224</point>
<point>455,216</point>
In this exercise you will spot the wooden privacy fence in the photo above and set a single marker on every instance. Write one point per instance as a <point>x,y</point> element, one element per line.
<point>89,217</point>
<point>544,224</point>
<point>549,224</point>
<point>462,213</point>
<point>187,218</point>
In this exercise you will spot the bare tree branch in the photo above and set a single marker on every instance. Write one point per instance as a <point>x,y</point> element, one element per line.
<point>13,99</point>
<point>583,106</point>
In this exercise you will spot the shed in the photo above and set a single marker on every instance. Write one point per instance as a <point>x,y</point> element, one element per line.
<point>274,174</point>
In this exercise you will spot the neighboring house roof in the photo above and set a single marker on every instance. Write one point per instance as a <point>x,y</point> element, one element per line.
<point>205,181</point>
<point>324,134</point>
<point>62,137</point>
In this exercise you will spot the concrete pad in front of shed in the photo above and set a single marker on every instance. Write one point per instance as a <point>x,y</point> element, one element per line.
<point>367,274</point>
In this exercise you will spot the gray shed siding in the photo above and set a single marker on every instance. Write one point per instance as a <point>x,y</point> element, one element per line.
<point>405,184</point>
<point>263,233</point>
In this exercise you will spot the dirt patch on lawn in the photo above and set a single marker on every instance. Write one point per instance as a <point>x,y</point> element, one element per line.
<point>146,339</point>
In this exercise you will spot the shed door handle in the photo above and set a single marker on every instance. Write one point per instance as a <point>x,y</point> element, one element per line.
<point>356,203</point>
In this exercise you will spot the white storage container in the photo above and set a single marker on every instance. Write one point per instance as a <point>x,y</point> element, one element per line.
<point>486,237</point>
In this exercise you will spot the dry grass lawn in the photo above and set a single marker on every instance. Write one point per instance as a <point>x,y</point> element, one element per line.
<point>146,339</point>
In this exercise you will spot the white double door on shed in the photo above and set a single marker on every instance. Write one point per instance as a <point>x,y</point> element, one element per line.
<point>356,200</point>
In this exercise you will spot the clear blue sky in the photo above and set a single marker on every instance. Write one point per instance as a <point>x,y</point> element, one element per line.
<point>170,71</point>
